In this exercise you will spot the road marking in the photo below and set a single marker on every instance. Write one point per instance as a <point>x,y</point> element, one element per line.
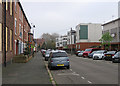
<point>83,77</point>
<point>70,69</point>
<point>90,82</point>
<point>68,74</point>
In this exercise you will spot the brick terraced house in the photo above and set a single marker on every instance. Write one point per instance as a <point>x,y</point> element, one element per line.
<point>17,29</point>
<point>9,30</point>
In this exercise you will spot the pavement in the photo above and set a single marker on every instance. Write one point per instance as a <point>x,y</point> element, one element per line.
<point>32,72</point>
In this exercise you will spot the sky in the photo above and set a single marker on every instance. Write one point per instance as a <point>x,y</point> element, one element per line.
<point>58,16</point>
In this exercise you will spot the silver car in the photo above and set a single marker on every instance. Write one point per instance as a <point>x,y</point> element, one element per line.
<point>47,55</point>
<point>99,55</point>
<point>58,58</point>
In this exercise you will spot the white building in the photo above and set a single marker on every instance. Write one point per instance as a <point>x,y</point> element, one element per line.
<point>88,32</point>
<point>61,42</point>
<point>71,37</point>
<point>87,35</point>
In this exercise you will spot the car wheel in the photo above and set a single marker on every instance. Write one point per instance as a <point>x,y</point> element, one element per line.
<point>68,67</point>
<point>45,59</point>
<point>50,67</point>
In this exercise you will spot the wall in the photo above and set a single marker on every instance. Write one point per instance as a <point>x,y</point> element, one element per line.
<point>113,28</point>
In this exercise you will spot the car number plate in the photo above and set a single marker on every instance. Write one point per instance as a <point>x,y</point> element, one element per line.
<point>60,64</point>
<point>108,55</point>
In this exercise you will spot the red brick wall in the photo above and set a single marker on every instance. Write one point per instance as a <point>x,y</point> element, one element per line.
<point>85,45</point>
<point>10,26</point>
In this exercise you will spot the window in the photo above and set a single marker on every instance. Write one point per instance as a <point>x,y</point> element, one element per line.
<point>10,7</point>
<point>10,40</point>
<point>15,26</point>
<point>15,6</point>
<point>6,38</point>
<point>6,4</point>
<point>0,37</point>
<point>1,1</point>
<point>20,33</point>
<point>83,33</point>
<point>20,13</point>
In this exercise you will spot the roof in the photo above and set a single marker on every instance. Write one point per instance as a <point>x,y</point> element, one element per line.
<point>24,14</point>
<point>55,51</point>
<point>111,21</point>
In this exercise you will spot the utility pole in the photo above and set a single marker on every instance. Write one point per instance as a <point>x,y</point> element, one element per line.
<point>4,34</point>
<point>71,41</point>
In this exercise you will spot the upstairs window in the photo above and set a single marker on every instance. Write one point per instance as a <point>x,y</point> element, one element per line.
<point>83,32</point>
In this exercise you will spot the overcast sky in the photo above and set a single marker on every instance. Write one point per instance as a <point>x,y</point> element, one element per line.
<point>58,16</point>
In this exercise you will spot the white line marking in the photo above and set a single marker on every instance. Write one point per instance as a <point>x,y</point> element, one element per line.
<point>90,82</point>
<point>83,77</point>
<point>70,69</point>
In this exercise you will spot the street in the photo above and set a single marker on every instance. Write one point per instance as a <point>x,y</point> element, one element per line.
<point>87,71</point>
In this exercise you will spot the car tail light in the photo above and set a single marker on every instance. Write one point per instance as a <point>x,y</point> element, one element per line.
<point>112,54</point>
<point>67,59</point>
<point>105,55</point>
<point>51,60</point>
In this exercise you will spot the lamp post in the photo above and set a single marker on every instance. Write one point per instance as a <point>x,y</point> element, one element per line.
<point>71,41</point>
<point>33,26</point>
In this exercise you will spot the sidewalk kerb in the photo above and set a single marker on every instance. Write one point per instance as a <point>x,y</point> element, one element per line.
<point>51,77</point>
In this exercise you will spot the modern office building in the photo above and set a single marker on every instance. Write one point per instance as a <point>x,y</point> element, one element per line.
<point>88,35</point>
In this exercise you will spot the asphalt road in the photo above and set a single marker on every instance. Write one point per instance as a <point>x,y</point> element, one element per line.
<point>87,71</point>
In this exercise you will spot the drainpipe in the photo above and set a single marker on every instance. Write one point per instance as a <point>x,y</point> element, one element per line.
<point>4,33</point>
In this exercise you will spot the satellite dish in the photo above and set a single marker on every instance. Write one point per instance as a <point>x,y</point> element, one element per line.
<point>113,35</point>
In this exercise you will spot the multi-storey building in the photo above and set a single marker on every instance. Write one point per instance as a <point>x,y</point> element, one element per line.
<point>61,42</point>
<point>71,39</point>
<point>88,35</point>
<point>9,15</point>
<point>113,27</point>
<point>16,29</point>
<point>21,28</point>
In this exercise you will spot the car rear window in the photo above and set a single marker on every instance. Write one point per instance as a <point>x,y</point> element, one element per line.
<point>111,52</point>
<point>59,54</point>
<point>88,50</point>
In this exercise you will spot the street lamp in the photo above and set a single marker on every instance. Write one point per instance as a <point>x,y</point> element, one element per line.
<point>33,26</point>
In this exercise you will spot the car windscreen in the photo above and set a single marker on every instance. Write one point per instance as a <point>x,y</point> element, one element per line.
<point>111,52</point>
<point>94,52</point>
<point>117,54</point>
<point>48,52</point>
<point>59,54</point>
<point>100,52</point>
<point>88,50</point>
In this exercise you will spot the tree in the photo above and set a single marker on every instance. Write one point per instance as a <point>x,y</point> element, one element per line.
<point>106,39</point>
<point>50,40</point>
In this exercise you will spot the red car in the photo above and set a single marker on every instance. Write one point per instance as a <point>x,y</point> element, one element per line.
<point>88,51</point>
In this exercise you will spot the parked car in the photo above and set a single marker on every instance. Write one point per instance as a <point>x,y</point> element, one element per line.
<point>91,54</point>
<point>80,54</point>
<point>47,55</point>
<point>109,54</point>
<point>116,57</point>
<point>43,53</point>
<point>58,58</point>
<point>99,55</point>
<point>88,51</point>
<point>77,52</point>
